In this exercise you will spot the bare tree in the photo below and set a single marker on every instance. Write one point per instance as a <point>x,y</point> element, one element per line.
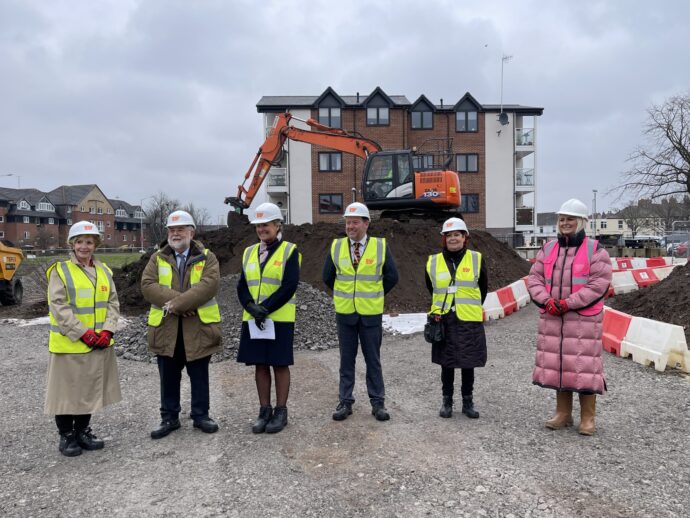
<point>668,211</point>
<point>635,218</point>
<point>661,166</point>
<point>157,212</point>
<point>200,215</point>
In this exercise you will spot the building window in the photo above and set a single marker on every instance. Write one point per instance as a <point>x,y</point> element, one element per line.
<point>26,234</point>
<point>122,213</point>
<point>23,205</point>
<point>69,221</point>
<point>107,223</point>
<point>466,121</point>
<point>591,225</point>
<point>378,116</point>
<point>468,163</point>
<point>331,203</point>
<point>100,210</point>
<point>26,219</point>
<point>2,219</point>
<point>83,209</point>
<point>44,205</point>
<point>422,162</point>
<point>124,237</point>
<point>2,233</point>
<point>620,224</point>
<point>92,210</point>
<point>469,203</point>
<point>109,237</point>
<point>422,120</point>
<point>69,209</point>
<point>330,117</point>
<point>330,162</point>
<point>51,221</point>
<point>99,224</point>
<point>541,230</point>
<point>603,224</point>
<point>139,214</point>
<point>109,210</point>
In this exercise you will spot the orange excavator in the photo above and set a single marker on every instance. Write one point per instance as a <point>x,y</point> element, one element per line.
<point>390,182</point>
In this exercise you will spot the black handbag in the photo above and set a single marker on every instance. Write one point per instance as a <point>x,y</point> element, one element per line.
<point>433,329</point>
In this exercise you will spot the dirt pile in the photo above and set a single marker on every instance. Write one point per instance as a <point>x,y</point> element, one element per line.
<point>667,301</point>
<point>410,244</point>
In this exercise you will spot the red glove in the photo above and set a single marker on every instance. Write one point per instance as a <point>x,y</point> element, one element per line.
<point>552,307</point>
<point>104,338</point>
<point>90,338</point>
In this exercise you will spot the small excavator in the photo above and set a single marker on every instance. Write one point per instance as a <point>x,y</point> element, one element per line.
<point>11,289</point>
<point>390,182</point>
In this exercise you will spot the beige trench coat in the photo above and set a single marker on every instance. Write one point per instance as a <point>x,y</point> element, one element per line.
<point>80,383</point>
<point>200,340</point>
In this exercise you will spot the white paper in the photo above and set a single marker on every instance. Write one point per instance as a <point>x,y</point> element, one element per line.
<point>267,333</point>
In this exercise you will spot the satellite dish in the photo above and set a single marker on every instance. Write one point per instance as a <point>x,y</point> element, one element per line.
<point>503,118</point>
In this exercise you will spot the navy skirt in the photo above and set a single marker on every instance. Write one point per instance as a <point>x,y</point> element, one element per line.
<point>276,352</point>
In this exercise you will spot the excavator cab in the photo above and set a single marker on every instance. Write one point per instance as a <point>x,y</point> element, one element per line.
<point>391,183</point>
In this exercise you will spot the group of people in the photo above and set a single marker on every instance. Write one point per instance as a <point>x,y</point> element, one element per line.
<point>181,282</point>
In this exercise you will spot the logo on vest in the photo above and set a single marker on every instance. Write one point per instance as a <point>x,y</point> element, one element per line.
<point>104,288</point>
<point>198,268</point>
<point>277,263</point>
<point>465,270</point>
<point>369,261</point>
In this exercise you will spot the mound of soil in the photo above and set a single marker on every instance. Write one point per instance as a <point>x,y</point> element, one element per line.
<point>410,244</point>
<point>667,301</point>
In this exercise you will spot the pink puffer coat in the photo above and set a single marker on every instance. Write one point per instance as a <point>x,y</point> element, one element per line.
<point>569,346</point>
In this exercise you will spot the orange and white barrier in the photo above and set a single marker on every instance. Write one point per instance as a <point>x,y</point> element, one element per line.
<point>623,282</point>
<point>493,309</point>
<point>615,326</point>
<point>520,293</point>
<point>507,300</point>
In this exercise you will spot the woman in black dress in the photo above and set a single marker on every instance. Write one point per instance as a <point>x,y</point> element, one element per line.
<point>266,290</point>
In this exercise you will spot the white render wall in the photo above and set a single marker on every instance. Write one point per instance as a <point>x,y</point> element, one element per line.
<point>299,174</point>
<point>500,177</point>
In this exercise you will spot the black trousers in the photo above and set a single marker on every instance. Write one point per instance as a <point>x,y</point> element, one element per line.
<point>448,380</point>
<point>369,338</point>
<point>170,370</point>
<point>67,422</point>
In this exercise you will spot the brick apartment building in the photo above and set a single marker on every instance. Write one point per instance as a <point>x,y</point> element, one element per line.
<point>495,161</point>
<point>38,220</point>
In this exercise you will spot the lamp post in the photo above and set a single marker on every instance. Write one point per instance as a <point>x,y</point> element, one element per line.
<point>141,223</point>
<point>594,212</point>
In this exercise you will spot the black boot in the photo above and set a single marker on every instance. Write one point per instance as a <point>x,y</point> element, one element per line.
<point>468,407</point>
<point>446,407</point>
<point>278,421</point>
<point>88,441</point>
<point>265,413</point>
<point>68,444</point>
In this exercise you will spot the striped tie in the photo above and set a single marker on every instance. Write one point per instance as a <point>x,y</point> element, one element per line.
<point>357,254</point>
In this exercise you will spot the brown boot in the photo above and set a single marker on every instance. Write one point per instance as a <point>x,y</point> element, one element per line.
<point>587,411</point>
<point>564,411</point>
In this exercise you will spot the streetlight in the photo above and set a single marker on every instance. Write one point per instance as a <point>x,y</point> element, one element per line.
<point>503,119</point>
<point>18,178</point>
<point>141,223</point>
<point>594,212</point>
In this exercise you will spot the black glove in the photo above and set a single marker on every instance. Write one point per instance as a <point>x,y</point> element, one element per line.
<point>257,311</point>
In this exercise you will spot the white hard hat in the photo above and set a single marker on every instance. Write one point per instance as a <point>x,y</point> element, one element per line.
<point>83,228</point>
<point>267,212</point>
<point>574,207</point>
<point>357,209</point>
<point>180,218</point>
<point>453,224</point>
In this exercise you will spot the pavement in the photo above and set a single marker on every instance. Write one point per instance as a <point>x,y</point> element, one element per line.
<point>506,463</point>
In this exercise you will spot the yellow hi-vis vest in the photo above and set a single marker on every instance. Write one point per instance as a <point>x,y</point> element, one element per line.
<point>209,313</point>
<point>468,297</point>
<point>263,284</point>
<point>361,290</point>
<point>89,304</point>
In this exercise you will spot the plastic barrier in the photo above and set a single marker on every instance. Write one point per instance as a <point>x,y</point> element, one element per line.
<point>649,341</point>
<point>639,262</point>
<point>663,272</point>
<point>615,328</point>
<point>520,293</point>
<point>492,307</point>
<point>644,277</point>
<point>624,263</point>
<point>656,261</point>
<point>623,282</point>
<point>507,300</point>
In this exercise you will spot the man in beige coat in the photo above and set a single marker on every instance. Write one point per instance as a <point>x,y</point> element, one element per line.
<point>181,282</point>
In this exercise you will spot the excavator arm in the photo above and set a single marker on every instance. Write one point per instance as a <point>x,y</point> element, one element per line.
<point>269,153</point>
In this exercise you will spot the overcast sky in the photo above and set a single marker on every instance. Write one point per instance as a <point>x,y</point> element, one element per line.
<point>146,95</point>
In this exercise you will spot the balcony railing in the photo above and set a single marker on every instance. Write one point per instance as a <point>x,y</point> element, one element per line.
<point>524,177</point>
<point>524,216</point>
<point>277,177</point>
<point>524,136</point>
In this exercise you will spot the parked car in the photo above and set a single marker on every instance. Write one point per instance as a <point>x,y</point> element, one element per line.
<point>680,249</point>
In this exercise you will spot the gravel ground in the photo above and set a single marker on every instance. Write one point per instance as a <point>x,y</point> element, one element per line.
<point>417,464</point>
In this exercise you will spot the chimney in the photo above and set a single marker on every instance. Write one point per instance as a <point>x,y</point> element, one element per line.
<point>357,97</point>
<point>441,102</point>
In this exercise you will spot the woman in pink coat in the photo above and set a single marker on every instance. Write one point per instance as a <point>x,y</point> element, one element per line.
<point>568,283</point>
